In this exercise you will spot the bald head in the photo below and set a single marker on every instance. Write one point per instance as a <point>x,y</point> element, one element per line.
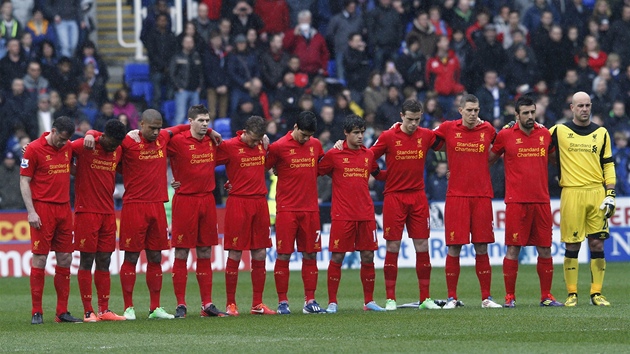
<point>581,108</point>
<point>151,116</point>
<point>150,124</point>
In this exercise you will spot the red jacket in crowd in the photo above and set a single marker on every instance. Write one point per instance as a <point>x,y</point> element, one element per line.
<point>313,53</point>
<point>444,74</point>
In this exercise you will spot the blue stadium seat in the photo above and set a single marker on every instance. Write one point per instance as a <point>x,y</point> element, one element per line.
<point>168,110</point>
<point>332,68</point>
<point>141,89</point>
<point>90,113</point>
<point>136,72</point>
<point>222,126</point>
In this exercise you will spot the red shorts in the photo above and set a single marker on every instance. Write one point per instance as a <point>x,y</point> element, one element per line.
<point>246,224</point>
<point>466,216</point>
<point>94,232</point>
<point>55,234</point>
<point>528,224</point>
<point>143,227</point>
<point>194,221</point>
<point>411,209</point>
<point>298,226</point>
<point>350,236</point>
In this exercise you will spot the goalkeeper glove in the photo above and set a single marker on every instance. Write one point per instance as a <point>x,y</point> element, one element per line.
<point>608,205</point>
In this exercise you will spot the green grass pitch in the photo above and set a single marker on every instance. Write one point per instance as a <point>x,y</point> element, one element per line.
<point>525,329</point>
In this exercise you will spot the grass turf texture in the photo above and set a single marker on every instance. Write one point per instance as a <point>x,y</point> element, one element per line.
<point>526,328</point>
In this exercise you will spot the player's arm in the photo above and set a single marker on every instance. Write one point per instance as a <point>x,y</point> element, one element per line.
<point>25,188</point>
<point>498,148</point>
<point>272,157</point>
<point>377,173</point>
<point>610,178</point>
<point>380,146</point>
<point>89,142</point>
<point>326,164</point>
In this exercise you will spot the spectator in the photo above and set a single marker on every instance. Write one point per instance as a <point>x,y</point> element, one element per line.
<point>492,99</point>
<point>596,57</point>
<point>123,106</point>
<point>85,103</point>
<point>463,51</point>
<point>274,62</point>
<point>460,17</point>
<point>475,32</point>
<point>200,46</point>
<point>216,77</point>
<point>432,113</point>
<point>150,22</point>
<point>214,9</point>
<point>388,112</point>
<point>437,183</point>
<point>411,65</point>
<point>327,122</point>
<point>87,54</point>
<point>601,97</point>
<point>55,101</point>
<point>124,119</point>
<point>357,63</point>
<point>618,36</point>
<point>225,29</point>
<point>573,37</point>
<point>272,132</point>
<point>10,196</point>
<point>17,108</point>
<point>540,35</point>
<point>339,28</point>
<point>391,76</point>
<point>617,120</point>
<point>521,72</point>
<point>186,73</point>
<point>423,33</point>
<point>23,10</point>
<point>624,86</point>
<point>10,27</point>
<point>613,63</point>
<point>277,115</point>
<point>556,57</point>
<point>253,43</point>
<point>621,154</point>
<point>202,23</point>
<point>385,27</point>
<point>443,74</point>
<point>244,110</point>
<point>534,14</point>
<point>242,67</point>
<point>161,46</point>
<point>319,92</point>
<point>602,16</point>
<point>501,20</point>
<point>70,109</point>
<point>259,98</point>
<point>586,75</point>
<point>514,24</point>
<point>307,44</point>
<point>44,115</point>
<point>34,83</point>
<point>442,28</point>
<point>67,15</point>
<point>289,95</point>
<point>575,14</point>
<point>243,18</point>
<point>374,94</point>
<point>47,57</point>
<point>26,45</point>
<point>13,65</point>
<point>96,85</point>
<point>40,28</point>
<point>301,78</point>
<point>64,80</point>
<point>489,55</point>
<point>275,16</point>
<point>105,114</point>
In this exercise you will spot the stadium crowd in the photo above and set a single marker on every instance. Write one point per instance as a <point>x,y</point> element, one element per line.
<point>277,58</point>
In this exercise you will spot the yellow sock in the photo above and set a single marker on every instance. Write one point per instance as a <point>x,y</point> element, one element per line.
<point>571,274</point>
<point>598,269</point>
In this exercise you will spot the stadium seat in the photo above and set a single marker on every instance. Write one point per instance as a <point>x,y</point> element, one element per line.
<point>168,110</point>
<point>222,126</point>
<point>332,68</point>
<point>90,113</point>
<point>136,72</point>
<point>141,89</point>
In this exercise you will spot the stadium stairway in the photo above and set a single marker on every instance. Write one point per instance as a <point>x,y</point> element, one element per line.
<point>114,55</point>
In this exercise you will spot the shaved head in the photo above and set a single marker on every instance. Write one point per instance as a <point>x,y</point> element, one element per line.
<point>151,116</point>
<point>581,108</point>
<point>580,96</point>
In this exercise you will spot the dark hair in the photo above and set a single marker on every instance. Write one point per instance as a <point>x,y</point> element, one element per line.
<point>197,110</point>
<point>524,101</point>
<point>64,124</point>
<point>214,33</point>
<point>411,105</point>
<point>115,129</point>
<point>352,122</point>
<point>255,125</point>
<point>468,98</point>
<point>348,2</point>
<point>352,34</point>
<point>307,121</point>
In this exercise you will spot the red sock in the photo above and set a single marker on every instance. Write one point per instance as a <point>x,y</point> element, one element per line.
<point>452,269</point>
<point>423,271</point>
<point>259,274</point>
<point>281,275</point>
<point>154,283</point>
<point>309,277</point>
<point>231,279</point>
<point>390,271</point>
<point>62,286</point>
<point>545,274</point>
<point>38,277</point>
<point>334,276</point>
<point>180,279</point>
<point>368,276</point>
<point>510,271</point>
<point>204,278</point>
<point>127,281</point>
<point>484,274</point>
<point>85,288</point>
<point>103,289</point>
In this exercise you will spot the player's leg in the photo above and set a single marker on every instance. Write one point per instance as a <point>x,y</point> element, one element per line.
<point>482,234</point>
<point>286,229</point>
<point>156,241</point>
<point>180,280</point>
<point>334,277</point>
<point>541,237</point>
<point>518,227</point>
<point>133,231</point>
<point>102,280</point>
<point>457,215</point>
<point>128,282</point>
<point>366,242</point>
<point>309,243</point>
<point>572,231</point>
<point>510,272</point>
<point>63,247</point>
<point>544,267</point>
<point>419,231</point>
<point>84,276</point>
<point>281,276</point>
<point>231,280</point>
<point>260,242</point>
<point>259,275</point>
<point>238,228</point>
<point>598,270</point>
<point>204,278</point>
<point>37,280</point>
<point>423,273</point>
<point>394,216</point>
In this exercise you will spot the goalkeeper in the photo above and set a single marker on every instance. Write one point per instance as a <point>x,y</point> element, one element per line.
<point>587,178</point>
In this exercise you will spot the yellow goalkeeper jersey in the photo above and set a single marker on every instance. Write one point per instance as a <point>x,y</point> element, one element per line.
<point>584,155</point>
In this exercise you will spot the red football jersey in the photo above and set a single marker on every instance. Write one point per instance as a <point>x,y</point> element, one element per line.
<point>467,152</point>
<point>525,158</point>
<point>244,166</point>
<point>193,163</point>
<point>350,171</point>
<point>49,169</point>
<point>296,165</point>
<point>405,156</point>
<point>95,178</point>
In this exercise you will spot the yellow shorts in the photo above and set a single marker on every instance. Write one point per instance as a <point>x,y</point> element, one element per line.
<point>580,216</point>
